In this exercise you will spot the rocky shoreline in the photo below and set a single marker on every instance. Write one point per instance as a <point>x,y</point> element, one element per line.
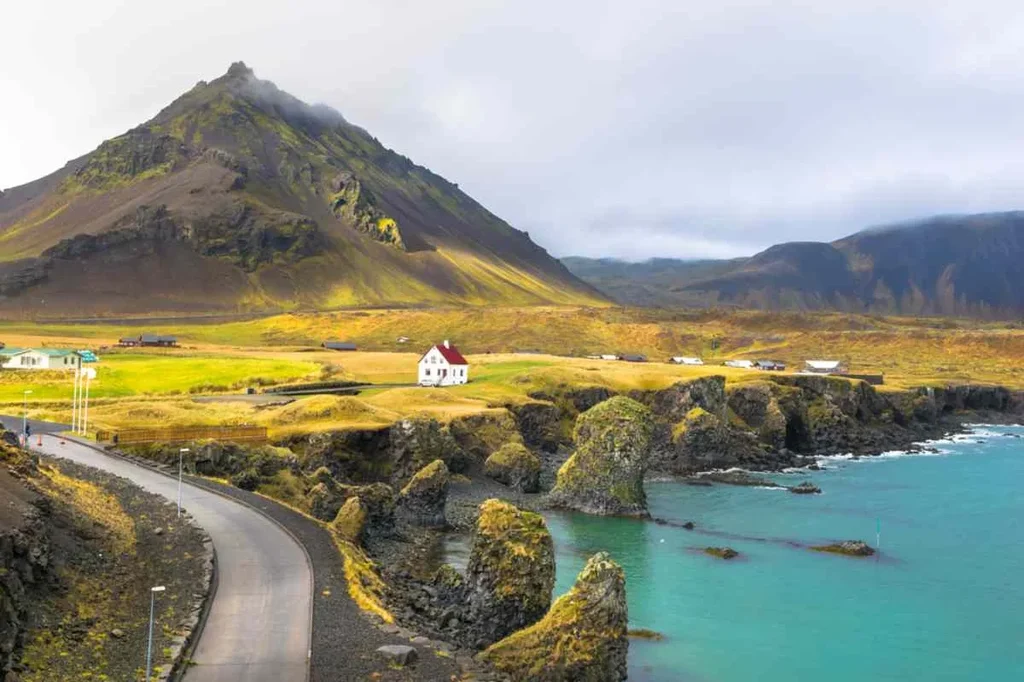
<point>395,492</point>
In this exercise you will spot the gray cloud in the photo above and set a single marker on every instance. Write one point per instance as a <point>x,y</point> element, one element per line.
<point>650,128</point>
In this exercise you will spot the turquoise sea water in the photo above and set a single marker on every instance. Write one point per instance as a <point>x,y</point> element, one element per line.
<point>943,601</point>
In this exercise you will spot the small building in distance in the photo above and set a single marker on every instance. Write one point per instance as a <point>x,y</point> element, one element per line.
<point>339,345</point>
<point>39,359</point>
<point>443,365</point>
<point>824,367</point>
<point>770,366</point>
<point>740,364</point>
<point>402,339</point>
<point>148,340</point>
<point>608,356</point>
<point>679,360</point>
<point>633,357</point>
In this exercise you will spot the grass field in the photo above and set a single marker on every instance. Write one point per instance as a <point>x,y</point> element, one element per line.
<point>149,388</point>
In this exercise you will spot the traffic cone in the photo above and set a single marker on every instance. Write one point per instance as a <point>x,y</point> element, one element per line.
<point>39,443</point>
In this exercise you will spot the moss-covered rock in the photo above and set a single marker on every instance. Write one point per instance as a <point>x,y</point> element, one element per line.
<point>581,639</point>
<point>857,548</point>
<point>511,571</point>
<point>351,520</point>
<point>756,404</point>
<point>416,442</point>
<point>702,441</point>
<point>480,435</point>
<point>515,466</point>
<point>673,403</point>
<point>422,500</point>
<point>606,473</point>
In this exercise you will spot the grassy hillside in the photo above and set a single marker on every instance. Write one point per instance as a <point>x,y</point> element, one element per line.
<point>238,196</point>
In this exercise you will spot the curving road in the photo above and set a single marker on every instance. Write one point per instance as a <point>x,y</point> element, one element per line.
<point>259,625</point>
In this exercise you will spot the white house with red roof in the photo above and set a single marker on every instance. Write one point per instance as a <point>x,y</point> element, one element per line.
<point>443,365</point>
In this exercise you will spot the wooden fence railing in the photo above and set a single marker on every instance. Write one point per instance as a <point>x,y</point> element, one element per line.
<point>237,434</point>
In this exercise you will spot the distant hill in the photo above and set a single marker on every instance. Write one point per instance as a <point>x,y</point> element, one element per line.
<point>950,265</point>
<point>239,197</point>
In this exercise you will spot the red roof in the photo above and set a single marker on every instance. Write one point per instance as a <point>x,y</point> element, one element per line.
<point>451,354</point>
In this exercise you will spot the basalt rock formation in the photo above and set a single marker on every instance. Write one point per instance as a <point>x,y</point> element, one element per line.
<point>516,467</point>
<point>511,571</point>
<point>421,502</point>
<point>583,638</point>
<point>606,473</point>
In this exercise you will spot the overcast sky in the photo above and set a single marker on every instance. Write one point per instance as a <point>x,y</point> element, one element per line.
<point>631,129</point>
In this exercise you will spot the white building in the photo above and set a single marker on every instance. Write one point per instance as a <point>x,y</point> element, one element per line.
<point>740,364</point>
<point>686,361</point>
<point>608,356</point>
<point>824,367</point>
<point>443,365</point>
<point>39,358</point>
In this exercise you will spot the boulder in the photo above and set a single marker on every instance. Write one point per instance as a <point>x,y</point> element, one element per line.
<point>350,523</point>
<point>422,500</point>
<point>721,552</point>
<point>857,548</point>
<point>583,638</point>
<point>511,571</point>
<point>398,654</point>
<point>606,473</point>
<point>805,488</point>
<point>515,466</point>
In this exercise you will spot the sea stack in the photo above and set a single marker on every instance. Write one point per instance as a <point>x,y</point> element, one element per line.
<point>581,639</point>
<point>606,473</point>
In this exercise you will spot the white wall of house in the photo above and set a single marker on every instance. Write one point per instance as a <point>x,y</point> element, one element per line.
<point>31,359</point>
<point>435,370</point>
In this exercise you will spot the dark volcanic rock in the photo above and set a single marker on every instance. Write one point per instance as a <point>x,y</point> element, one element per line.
<point>606,473</point>
<point>721,552</point>
<point>583,638</point>
<point>414,443</point>
<point>516,467</point>
<point>422,500</point>
<point>511,571</point>
<point>674,403</point>
<point>805,488</point>
<point>856,548</point>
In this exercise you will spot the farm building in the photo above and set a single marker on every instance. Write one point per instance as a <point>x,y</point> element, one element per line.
<point>824,367</point>
<point>740,364</point>
<point>339,345</point>
<point>443,365</point>
<point>678,360</point>
<point>149,340</point>
<point>39,358</point>
<point>608,356</point>
<point>770,366</point>
<point>633,357</point>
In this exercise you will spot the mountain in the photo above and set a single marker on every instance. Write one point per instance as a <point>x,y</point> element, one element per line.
<point>949,265</point>
<point>240,197</point>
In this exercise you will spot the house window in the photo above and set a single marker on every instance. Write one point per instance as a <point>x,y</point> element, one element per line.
<point>426,372</point>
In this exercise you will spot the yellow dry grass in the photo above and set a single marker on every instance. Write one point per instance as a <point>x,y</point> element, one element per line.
<point>100,506</point>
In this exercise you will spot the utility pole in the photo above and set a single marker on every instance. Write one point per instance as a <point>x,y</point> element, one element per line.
<point>181,454</point>
<point>152,610</point>
<point>74,398</point>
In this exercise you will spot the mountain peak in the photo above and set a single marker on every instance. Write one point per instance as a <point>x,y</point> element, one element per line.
<point>240,70</point>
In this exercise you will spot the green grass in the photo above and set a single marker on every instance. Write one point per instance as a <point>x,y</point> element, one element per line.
<point>124,375</point>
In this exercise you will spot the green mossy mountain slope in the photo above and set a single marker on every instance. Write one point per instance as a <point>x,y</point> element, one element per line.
<point>238,196</point>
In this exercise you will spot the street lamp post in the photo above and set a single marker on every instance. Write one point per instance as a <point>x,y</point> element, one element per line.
<point>181,454</point>
<point>24,413</point>
<point>152,610</point>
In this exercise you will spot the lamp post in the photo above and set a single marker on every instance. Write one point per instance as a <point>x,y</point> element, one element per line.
<point>152,610</point>
<point>74,398</point>
<point>83,418</point>
<point>24,413</point>
<point>181,454</point>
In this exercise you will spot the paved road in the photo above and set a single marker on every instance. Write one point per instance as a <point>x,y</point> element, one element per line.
<point>259,624</point>
<point>12,422</point>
